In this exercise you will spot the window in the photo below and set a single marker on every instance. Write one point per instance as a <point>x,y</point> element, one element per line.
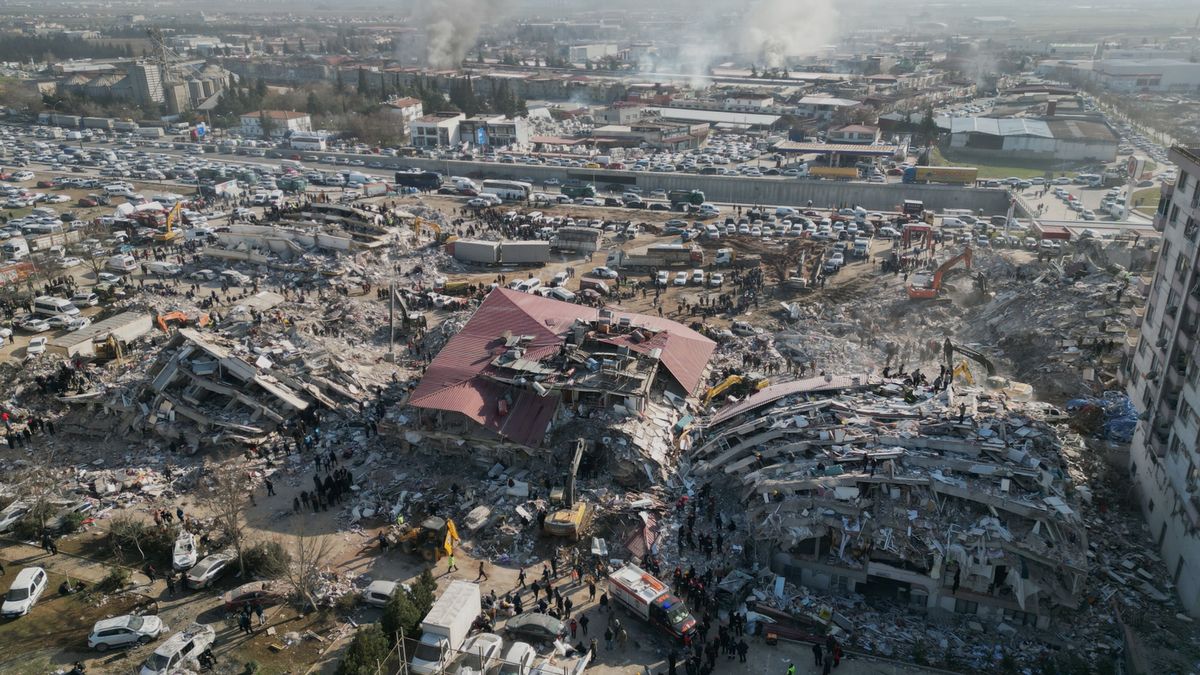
<point>839,584</point>
<point>1142,344</point>
<point>1015,616</point>
<point>1183,180</point>
<point>1150,506</point>
<point>1174,213</point>
<point>965,606</point>
<point>1181,261</point>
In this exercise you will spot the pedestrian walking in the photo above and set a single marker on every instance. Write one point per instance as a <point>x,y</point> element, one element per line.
<point>574,627</point>
<point>535,587</point>
<point>482,573</point>
<point>450,566</point>
<point>521,578</point>
<point>270,487</point>
<point>742,649</point>
<point>583,623</point>
<point>817,654</point>
<point>260,613</point>
<point>295,505</point>
<point>171,585</point>
<point>608,639</point>
<point>591,590</point>
<point>622,638</point>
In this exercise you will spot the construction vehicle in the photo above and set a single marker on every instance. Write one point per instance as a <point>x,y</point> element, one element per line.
<point>926,286</point>
<point>1017,391</point>
<point>169,234</point>
<point>433,227</point>
<point>432,539</point>
<point>178,318</point>
<point>572,519</point>
<point>409,320</point>
<point>693,197</point>
<point>747,384</point>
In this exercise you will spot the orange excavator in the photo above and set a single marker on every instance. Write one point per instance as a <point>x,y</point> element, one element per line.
<point>168,319</point>
<point>926,286</point>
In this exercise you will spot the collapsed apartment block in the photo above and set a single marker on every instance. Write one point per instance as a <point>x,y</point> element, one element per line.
<point>523,363</point>
<point>207,389</point>
<point>866,486</point>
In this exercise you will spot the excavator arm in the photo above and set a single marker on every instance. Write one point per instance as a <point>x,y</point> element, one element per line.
<point>978,358</point>
<point>716,390</point>
<point>965,258</point>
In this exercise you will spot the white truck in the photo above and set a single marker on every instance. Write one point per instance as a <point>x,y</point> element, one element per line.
<point>445,628</point>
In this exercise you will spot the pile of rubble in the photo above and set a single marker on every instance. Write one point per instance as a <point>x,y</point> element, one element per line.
<point>893,501</point>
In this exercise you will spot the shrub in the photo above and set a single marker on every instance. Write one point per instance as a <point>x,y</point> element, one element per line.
<point>266,559</point>
<point>116,579</point>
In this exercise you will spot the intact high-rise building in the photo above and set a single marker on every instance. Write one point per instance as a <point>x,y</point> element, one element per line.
<point>1164,384</point>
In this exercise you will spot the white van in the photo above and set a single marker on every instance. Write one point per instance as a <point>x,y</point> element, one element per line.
<point>24,592</point>
<point>952,222</point>
<point>121,263</point>
<point>15,249</point>
<point>48,305</point>
<point>164,269</point>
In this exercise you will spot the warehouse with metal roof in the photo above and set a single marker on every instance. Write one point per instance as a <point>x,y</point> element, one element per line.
<point>1055,140</point>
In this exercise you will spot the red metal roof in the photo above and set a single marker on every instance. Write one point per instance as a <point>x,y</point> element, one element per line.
<point>454,379</point>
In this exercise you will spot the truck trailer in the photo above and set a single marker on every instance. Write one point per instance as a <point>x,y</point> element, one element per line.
<point>477,251</point>
<point>524,252</point>
<point>661,255</point>
<point>951,175</point>
<point>693,197</point>
<point>651,599</point>
<point>445,628</point>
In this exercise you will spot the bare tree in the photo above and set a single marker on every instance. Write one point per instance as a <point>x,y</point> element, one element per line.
<point>227,497</point>
<point>309,553</point>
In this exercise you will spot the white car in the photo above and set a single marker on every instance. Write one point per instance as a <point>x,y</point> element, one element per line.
<point>480,654</point>
<point>125,631</point>
<point>604,273</point>
<point>85,299</point>
<point>518,660</point>
<point>716,279</point>
<point>663,278</point>
<point>108,278</point>
<point>11,514</point>
<point>681,279</point>
<point>24,592</point>
<point>590,201</point>
<point>478,203</point>
<point>178,649</point>
<point>34,324</point>
<point>185,554</point>
<point>698,277</point>
<point>379,592</point>
<point>69,262</point>
<point>206,571</point>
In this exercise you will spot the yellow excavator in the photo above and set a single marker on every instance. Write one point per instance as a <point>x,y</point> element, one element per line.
<point>572,519</point>
<point>751,382</point>
<point>438,236</point>
<point>169,234</point>
<point>433,539</point>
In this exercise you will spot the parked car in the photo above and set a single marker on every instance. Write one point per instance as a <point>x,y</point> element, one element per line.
<point>379,592</point>
<point>37,346</point>
<point>178,649</point>
<point>11,514</point>
<point>518,660</point>
<point>254,593</point>
<point>604,273</point>
<point>479,655</point>
<point>208,570</point>
<point>24,592</point>
<point>125,631</point>
<point>536,627</point>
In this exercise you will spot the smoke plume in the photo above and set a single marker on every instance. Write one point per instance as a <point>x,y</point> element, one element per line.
<point>764,32</point>
<point>453,26</point>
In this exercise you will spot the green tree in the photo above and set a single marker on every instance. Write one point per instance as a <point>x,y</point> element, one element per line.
<point>424,591</point>
<point>313,104</point>
<point>300,46</point>
<point>260,88</point>
<point>401,615</point>
<point>363,85</point>
<point>929,128</point>
<point>753,70</point>
<point>367,651</point>
<point>340,84</point>
<point>267,124</point>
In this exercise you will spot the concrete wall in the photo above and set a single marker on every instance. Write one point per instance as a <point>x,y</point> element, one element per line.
<point>770,191</point>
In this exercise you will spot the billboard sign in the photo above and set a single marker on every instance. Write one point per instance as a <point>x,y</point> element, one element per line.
<point>481,137</point>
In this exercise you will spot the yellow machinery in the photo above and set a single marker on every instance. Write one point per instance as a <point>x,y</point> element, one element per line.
<point>755,383</point>
<point>571,520</point>
<point>169,234</point>
<point>433,539</point>
<point>433,227</point>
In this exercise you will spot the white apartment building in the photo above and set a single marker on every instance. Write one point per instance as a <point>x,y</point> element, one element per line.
<point>435,130</point>
<point>280,122</point>
<point>1164,384</point>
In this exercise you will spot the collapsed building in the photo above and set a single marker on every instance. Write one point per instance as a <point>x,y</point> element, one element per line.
<point>524,366</point>
<point>861,486</point>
